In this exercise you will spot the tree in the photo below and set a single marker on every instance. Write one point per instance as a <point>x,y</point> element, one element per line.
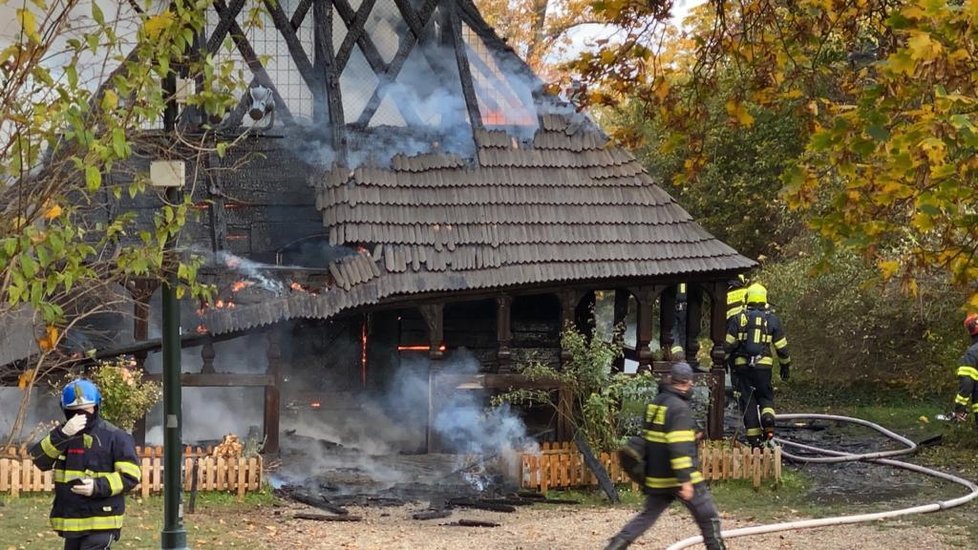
<point>886,90</point>
<point>542,37</point>
<point>80,96</point>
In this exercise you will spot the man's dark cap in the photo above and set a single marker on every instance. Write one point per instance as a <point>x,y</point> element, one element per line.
<point>681,372</point>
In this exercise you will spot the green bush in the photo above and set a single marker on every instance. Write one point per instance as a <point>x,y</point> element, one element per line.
<point>847,330</point>
<point>126,397</point>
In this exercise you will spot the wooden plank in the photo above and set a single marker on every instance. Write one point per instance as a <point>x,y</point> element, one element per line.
<point>757,467</point>
<point>777,464</point>
<point>144,477</point>
<point>26,471</point>
<point>242,470</point>
<point>14,479</point>
<point>4,475</point>
<point>255,467</point>
<point>157,474</point>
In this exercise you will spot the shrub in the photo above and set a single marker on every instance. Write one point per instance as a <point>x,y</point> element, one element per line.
<point>126,397</point>
<point>848,330</point>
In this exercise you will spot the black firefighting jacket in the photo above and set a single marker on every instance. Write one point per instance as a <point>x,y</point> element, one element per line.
<point>670,436</point>
<point>968,365</point>
<point>104,453</point>
<point>771,332</point>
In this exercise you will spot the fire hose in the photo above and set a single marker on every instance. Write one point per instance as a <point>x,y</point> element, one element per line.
<point>880,457</point>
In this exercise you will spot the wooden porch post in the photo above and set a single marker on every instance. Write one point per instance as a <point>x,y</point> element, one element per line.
<point>667,319</point>
<point>620,315</point>
<point>504,333</point>
<point>435,319</point>
<point>694,314</point>
<point>718,329</point>
<point>646,296</point>
<point>272,393</point>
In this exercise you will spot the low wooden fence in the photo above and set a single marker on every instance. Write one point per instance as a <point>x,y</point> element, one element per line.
<point>561,465</point>
<point>214,473</point>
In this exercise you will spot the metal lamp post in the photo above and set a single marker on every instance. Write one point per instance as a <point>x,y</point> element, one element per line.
<point>170,174</point>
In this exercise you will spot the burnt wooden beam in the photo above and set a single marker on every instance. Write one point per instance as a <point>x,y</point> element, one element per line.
<point>397,63</point>
<point>356,34</point>
<point>496,46</point>
<point>207,356</point>
<point>464,71</point>
<point>499,381</point>
<point>299,57</point>
<point>414,21</point>
<point>504,332</point>
<point>718,333</point>
<point>226,14</point>
<point>260,75</point>
<point>220,380</point>
<point>327,93</point>
<point>694,314</point>
<point>434,318</point>
<point>217,212</point>
<point>273,394</point>
<point>299,15</point>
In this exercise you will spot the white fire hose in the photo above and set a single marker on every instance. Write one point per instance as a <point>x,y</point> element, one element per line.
<point>837,456</point>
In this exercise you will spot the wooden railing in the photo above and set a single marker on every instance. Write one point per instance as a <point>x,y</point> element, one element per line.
<point>214,473</point>
<point>560,465</point>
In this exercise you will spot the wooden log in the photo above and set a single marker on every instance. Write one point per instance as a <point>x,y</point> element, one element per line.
<point>431,514</point>
<point>194,478</point>
<point>324,517</point>
<point>473,523</point>
<point>482,505</point>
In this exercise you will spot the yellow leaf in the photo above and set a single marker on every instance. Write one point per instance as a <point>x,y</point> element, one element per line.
<point>155,25</point>
<point>52,212</point>
<point>49,340</point>
<point>888,268</point>
<point>110,100</point>
<point>922,47</point>
<point>737,110</point>
<point>28,24</point>
<point>25,378</point>
<point>973,302</point>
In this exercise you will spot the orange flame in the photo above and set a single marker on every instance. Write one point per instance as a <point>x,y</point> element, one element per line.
<point>219,304</point>
<point>238,286</point>
<point>201,329</point>
<point>315,404</point>
<point>363,353</point>
<point>297,287</point>
<point>419,348</point>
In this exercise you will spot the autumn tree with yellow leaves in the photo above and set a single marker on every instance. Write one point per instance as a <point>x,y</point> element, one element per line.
<point>884,91</point>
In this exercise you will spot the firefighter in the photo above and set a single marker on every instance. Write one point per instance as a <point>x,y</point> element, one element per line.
<point>94,466</point>
<point>736,294</point>
<point>671,464</point>
<point>750,336</point>
<point>968,374</point>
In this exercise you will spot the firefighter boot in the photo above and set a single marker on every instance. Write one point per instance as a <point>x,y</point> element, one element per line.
<point>617,543</point>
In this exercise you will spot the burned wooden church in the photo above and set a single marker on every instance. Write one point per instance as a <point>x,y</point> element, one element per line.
<point>408,188</point>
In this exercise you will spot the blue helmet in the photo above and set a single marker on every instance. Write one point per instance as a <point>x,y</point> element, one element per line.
<point>80,393</point>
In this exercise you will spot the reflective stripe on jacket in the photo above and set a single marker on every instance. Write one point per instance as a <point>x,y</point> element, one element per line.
<point>670,435</point>
<point>106,454</point>
<point>736,301</point>
<point>968,365</point>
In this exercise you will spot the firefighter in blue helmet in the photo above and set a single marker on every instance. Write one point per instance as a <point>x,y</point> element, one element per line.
<point>94,465</point>
<point>750,335</point>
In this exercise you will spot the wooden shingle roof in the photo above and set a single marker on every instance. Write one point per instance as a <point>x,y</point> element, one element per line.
<point>563,207</point>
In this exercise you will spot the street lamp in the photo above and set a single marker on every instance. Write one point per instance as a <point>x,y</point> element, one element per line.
<point>171,174</point>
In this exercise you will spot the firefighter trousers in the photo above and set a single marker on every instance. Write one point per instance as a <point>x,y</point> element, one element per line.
<point>701,506</point>
<point>98,540</point>
<point>967,390</point>
<point>756,401</point>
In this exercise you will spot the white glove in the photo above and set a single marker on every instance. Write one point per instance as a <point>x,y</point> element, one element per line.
<point>74,425</point>
<point>85,488</point>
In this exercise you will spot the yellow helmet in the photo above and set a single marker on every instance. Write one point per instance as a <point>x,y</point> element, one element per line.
<point>756,294</point>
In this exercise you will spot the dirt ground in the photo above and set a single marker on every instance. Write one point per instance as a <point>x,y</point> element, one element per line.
<point>564,528</point>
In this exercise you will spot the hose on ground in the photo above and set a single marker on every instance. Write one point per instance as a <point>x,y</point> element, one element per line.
<point>881,457</point>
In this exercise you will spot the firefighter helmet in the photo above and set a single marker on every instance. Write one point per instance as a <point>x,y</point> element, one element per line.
<point>971,324</point>
<point>756,294</point>
<point>80,393</point>
<point>739,282</point>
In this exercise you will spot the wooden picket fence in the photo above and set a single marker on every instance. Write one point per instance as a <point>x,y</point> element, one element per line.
<point>561,465</point>
<point>214,473</point>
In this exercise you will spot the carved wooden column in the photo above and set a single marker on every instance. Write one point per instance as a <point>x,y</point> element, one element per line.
<point>207,355</point>
<point>646,296</point>
<point>569,298</point>
<point>435,319</point>
<point>718,330</point>
<point>272,393</point>
<point>667,319</point>
<point>620,318</point>
<point>694,314</point>
<point>504,333</point>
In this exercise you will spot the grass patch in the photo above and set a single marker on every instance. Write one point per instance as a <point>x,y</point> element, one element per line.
<point>219,520</point>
